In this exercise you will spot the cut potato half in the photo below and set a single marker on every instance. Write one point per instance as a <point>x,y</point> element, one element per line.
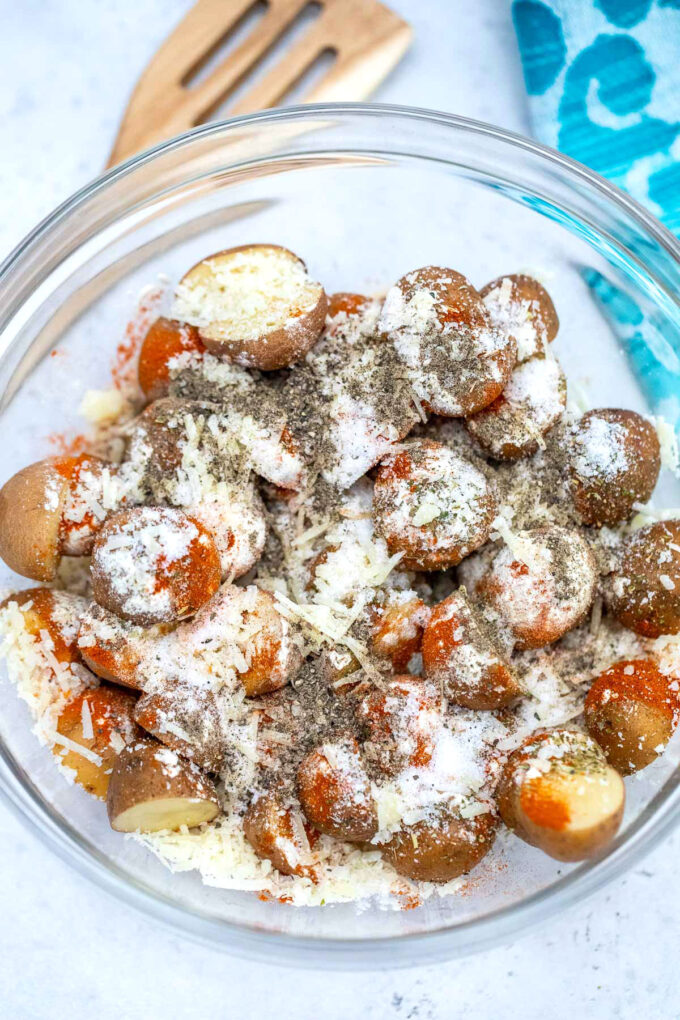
<point>31,504</point>
<point>255,304</point>
<point>558,793</point>
<point>152,789</point>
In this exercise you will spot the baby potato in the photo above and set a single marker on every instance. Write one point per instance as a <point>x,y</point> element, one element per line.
<point>335,791</point>
<point>442,849</point>
<point>31,505</point>
<point>401,722</point>
<point>344,305</point>
<point>255,304</point>
<point>532,402</point>
<point>644,592</point>
<point>276,833</point>
<point>152,789</point>
<point>632,710</point>
<point>432,505</point>
<point>187,722</point>
<point>459,655</point>
<point>457,361</point>
<point>100,721</point>
<point>269,657</point>
<point>558,793</point>
<point>165,340</point>
<point>52,509</point>
<point>114,648</point>
<point>613,461</point>
<point>154,565</point>
<point>521,307</point>
<point>543,590</point>
<point>397,625</point>
<point>55,613</point>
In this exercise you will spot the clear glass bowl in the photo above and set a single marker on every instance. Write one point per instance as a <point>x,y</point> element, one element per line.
<point>363,193</point>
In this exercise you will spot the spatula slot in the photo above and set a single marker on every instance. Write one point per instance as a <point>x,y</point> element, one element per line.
<point>312,76</point>
<point>232,37</point>
<point>263,62</point>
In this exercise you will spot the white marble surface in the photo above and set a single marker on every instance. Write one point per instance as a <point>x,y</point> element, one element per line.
<point>67,949</point>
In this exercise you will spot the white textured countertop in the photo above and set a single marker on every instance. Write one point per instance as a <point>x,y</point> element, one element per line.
<point>67,949</point>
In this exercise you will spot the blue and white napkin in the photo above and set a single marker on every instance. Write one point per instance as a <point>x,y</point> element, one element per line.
<point>603,78</point>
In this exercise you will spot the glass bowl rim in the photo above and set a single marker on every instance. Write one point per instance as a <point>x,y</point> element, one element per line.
<point>443,943</point>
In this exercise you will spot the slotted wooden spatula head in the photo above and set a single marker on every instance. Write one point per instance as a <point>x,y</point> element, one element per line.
<point>364,38</point>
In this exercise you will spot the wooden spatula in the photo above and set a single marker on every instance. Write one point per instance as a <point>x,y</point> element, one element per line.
<point>365,39</point>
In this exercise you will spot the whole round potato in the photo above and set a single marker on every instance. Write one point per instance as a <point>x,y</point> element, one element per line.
<point>460,655</point>
<point>543,585</point>
<point>457,360</point>
<point>613,461</point>
<point>632,711</point>
<point>432,505</point>
<point>644,592</point>
<point>154,565</point>
<point>521,306</point>
<point>558,793</point>
<point>335,791</point>
<point>442,849</point>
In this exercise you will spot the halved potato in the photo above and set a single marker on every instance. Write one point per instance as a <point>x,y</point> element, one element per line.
<point>335,791</point>
<point>558,793</point>
<point>457,360</point>
<point>31,504</point>
<point>632,710</point>
<point>401,722</point>
<point>442,849</point>
<point>55,612</point>
<point>273,657</point>
<point>543,585</point>
<point>532,402</point>
<point>255,304</point>
<point>276,833</point>
<point>100,720</point>
<point>152,789</point>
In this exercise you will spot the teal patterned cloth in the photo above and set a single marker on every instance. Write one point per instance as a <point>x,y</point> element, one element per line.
<point>603,77</point>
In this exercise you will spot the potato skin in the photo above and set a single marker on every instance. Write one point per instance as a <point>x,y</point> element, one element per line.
<point>644,592</point>
<point>541,804</point>
<point>275,350</point>
<point>166,339</point>
<point>269,828</point>
<point>523,292</point>
<point>459,655</point>
<point>31,503</point>
<point>190,580</point>
<point>145,771</point>
<point>40,615</point>
<point>397,630</point>
<point>435,544</point>
<point>111,711</point>
<point>443,849</point>
<point>459,316</point>
<point>153,712</point>
<point>631,710</point>
<point>116,656</point>
<point>400,723</point>
<point>604,494</point>
<point>335,792</point>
